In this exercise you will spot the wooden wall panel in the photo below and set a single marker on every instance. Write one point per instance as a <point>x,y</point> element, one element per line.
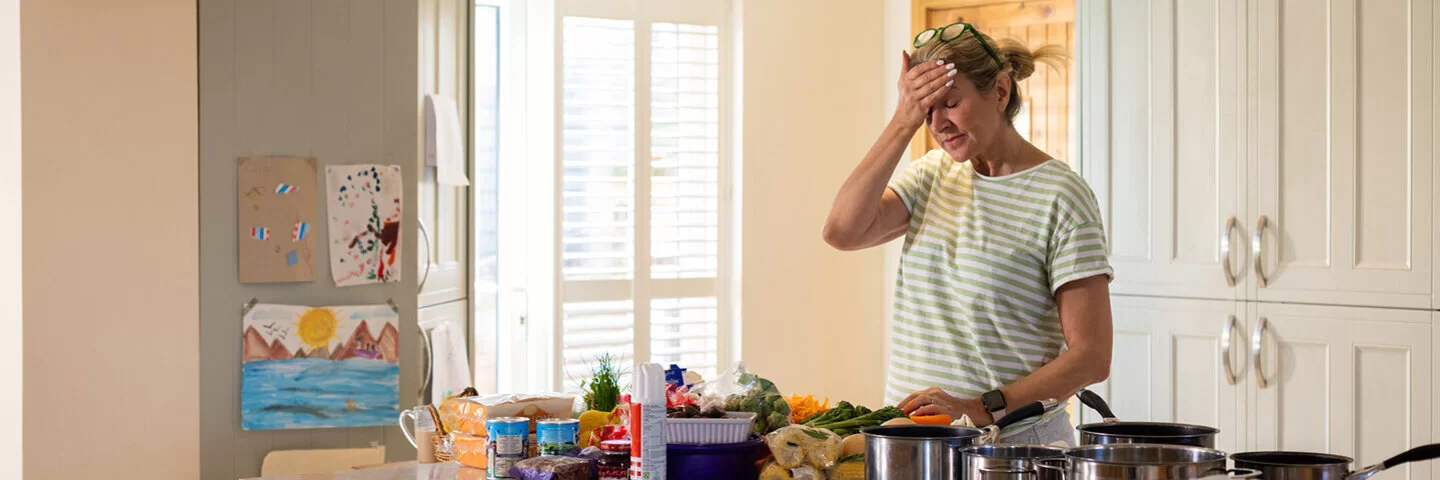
<point>1034,23</point>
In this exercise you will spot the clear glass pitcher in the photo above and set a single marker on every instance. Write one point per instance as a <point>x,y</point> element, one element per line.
<point>419,429</point>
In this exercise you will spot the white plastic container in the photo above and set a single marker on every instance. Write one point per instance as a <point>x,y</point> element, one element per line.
<point>734,427</point>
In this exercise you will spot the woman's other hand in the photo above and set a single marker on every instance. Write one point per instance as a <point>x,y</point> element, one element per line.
<point>920,87</point>
<point>934,401</point>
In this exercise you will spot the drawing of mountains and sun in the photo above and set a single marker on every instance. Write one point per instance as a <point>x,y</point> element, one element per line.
<point>311,367</point>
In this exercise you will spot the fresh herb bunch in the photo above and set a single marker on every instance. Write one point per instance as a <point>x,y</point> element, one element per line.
<point>602,391</point>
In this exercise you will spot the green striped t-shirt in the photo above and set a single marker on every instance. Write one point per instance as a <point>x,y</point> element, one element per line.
<point>982,259</point>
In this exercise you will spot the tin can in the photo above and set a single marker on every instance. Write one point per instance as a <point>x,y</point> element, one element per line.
<point>508,442</point>
<point>557,436</point>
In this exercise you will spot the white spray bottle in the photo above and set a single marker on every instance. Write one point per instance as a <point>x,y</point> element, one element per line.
<point>647,423</point>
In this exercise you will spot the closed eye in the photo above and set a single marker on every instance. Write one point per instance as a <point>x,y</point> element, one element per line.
<point>951,104</point>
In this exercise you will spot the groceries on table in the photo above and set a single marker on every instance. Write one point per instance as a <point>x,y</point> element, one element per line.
<point>656,424</point>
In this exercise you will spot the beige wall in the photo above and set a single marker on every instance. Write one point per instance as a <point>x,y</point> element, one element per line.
<point>110,232</point>
<point>813,318</point>
<point>10,277</point>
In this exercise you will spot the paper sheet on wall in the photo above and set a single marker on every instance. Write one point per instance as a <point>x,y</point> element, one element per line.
<point>275,215</point>
<point>451,362</point>
<point>444,141</point>
<point>307,367</point>
<point>364,207</point>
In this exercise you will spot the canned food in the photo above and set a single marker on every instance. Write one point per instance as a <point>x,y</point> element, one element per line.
<point>508,443</point>
<point>557,436</point>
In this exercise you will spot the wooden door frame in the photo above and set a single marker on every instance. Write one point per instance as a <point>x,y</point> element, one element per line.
<point>919,10</point>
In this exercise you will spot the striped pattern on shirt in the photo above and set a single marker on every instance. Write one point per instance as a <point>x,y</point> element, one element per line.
<point>975,295</point>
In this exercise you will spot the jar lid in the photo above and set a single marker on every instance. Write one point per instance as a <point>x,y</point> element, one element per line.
<point>615,445</point>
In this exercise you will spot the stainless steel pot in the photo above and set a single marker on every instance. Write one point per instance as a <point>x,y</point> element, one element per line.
<point>1320,466</point>
<point>1138,461</point>
<point>929,452</point>
<point>1113,431</point>
<point>1005,474</point>
<point>1012,461</point>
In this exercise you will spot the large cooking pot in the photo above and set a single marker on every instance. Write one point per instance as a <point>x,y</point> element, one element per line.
<point>1111,430</point>
<point>1320,466</point>
<point>930,452</point>
<point>982,462</point>
<point>1138,461</point>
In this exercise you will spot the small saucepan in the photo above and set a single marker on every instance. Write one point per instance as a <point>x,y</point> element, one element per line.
<point>1111,430</point>
<point>931,452</point>
<point>1320,466</point>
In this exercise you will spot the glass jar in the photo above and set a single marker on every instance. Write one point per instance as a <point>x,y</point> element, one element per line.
<point>614,463</point>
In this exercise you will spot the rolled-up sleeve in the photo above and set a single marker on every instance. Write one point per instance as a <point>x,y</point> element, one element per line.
<point>913,182</point>
<point>1079,253</point>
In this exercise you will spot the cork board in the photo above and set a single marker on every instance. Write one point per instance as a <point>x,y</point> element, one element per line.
<point>276,219</point>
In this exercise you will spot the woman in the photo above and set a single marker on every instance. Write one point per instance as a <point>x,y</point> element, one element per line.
<point>1002,297</point>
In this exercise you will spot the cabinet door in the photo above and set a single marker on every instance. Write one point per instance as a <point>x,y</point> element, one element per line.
<point>444,210</point>
<point>1343,380</point>
<point>1344,98</point>
<point>1161,120</point>
<point>1169,364</point>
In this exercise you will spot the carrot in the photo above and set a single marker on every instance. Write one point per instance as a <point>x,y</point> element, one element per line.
<point>802,408</point>
<point>938,419</point>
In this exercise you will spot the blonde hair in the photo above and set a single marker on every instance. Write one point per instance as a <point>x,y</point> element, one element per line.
<point>976,64</point>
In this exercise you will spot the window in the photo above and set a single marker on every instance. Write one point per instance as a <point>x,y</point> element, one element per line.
<point>643,186</point>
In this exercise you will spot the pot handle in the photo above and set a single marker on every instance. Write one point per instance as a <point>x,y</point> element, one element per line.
<point>1090,399</point>
<point>1417,454</point>
<point>1033,409</point>
<point>1244,473</point>
<point>1060,469</point>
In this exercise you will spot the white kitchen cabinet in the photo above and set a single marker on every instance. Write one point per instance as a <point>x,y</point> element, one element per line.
<point>444,210</point>
<point>444,242</point>
<point>1348,381</point>
<point>1161,106</point>
<point>1169,365</point>
<point>1315,118</point>
<point>1343,95</point>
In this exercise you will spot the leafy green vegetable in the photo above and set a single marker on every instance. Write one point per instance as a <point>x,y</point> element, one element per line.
<point>602,391</point>
<point>815,434</point>
<point>847,426</point>
<point>859,457</point>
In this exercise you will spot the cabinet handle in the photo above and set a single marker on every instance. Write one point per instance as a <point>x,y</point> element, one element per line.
<point>1226,349</point>
<point>425,276</point>
<point>429,371</point>
<point>1225,251</point>
<point>1257,344</point>
<point>1257,245</point>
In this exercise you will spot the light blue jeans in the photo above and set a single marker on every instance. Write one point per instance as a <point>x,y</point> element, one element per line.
<point>1056,429</point>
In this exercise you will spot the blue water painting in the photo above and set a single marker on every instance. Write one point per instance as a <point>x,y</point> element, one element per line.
<point>318,392</point>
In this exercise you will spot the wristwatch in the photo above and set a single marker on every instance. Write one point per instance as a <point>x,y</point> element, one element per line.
<point>994,402</point>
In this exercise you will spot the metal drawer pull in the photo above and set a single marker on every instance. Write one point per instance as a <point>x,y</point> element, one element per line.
<point>1225,251</point>
<point>1257,245</point>
<point>426,247</point>
<point>1225,349</point>
<point>1257,343</point>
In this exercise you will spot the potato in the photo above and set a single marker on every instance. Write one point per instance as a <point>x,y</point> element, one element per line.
<point>899,421</point>
<point>852,445</point>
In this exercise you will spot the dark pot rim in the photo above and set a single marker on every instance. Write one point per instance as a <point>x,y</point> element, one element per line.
<point>956,433</point>
<point>1293,459</point>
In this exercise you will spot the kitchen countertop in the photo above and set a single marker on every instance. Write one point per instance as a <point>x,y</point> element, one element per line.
<point>429,471</point>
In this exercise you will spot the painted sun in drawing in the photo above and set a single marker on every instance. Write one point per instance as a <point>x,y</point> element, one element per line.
<point>317,327</point>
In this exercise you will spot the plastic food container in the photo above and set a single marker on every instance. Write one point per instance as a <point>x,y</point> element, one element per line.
<point>731,461</point>
<point>734,427</point>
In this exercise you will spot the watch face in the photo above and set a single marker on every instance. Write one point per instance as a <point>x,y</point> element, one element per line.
<point>993,400</point>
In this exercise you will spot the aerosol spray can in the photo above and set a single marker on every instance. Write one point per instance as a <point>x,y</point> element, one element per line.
<point>647,423</point>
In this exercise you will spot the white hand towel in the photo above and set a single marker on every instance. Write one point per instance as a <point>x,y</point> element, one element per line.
<point>444,140</point>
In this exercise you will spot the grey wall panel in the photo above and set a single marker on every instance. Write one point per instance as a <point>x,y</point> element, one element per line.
<point>333,79</point>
